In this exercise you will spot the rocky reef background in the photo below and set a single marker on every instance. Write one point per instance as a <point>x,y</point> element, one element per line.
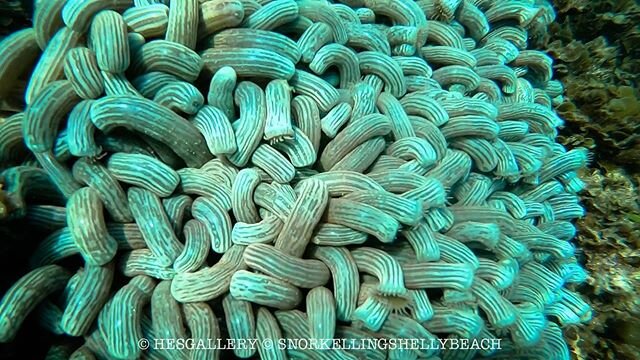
<point>595,44</point>
<point>596,47</point>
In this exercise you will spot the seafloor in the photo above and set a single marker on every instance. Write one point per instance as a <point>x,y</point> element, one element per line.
<point>595,44</point>
<point>596,47</point>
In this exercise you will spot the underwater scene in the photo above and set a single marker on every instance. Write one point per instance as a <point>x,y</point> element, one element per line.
<point>318,179</point>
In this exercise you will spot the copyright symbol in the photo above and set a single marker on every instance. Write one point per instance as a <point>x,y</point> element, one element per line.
<point>143,344</point>
<point>267,344</point>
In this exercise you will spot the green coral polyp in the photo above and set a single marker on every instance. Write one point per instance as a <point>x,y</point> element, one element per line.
<point>388,166</point>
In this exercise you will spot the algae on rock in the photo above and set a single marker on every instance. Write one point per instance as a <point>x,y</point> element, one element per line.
<point>598,61</point>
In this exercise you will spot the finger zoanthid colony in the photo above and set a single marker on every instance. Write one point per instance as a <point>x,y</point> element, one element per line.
<point>258,169</point>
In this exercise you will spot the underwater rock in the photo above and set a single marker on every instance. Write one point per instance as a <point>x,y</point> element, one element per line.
<point>595,45</point>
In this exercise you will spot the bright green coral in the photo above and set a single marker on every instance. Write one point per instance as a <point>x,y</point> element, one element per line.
<point>440,188</point>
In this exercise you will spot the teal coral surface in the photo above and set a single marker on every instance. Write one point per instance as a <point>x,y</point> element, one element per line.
<point>361,169</point>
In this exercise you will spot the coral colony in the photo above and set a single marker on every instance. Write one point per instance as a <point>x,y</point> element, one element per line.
<point>369,171</point>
